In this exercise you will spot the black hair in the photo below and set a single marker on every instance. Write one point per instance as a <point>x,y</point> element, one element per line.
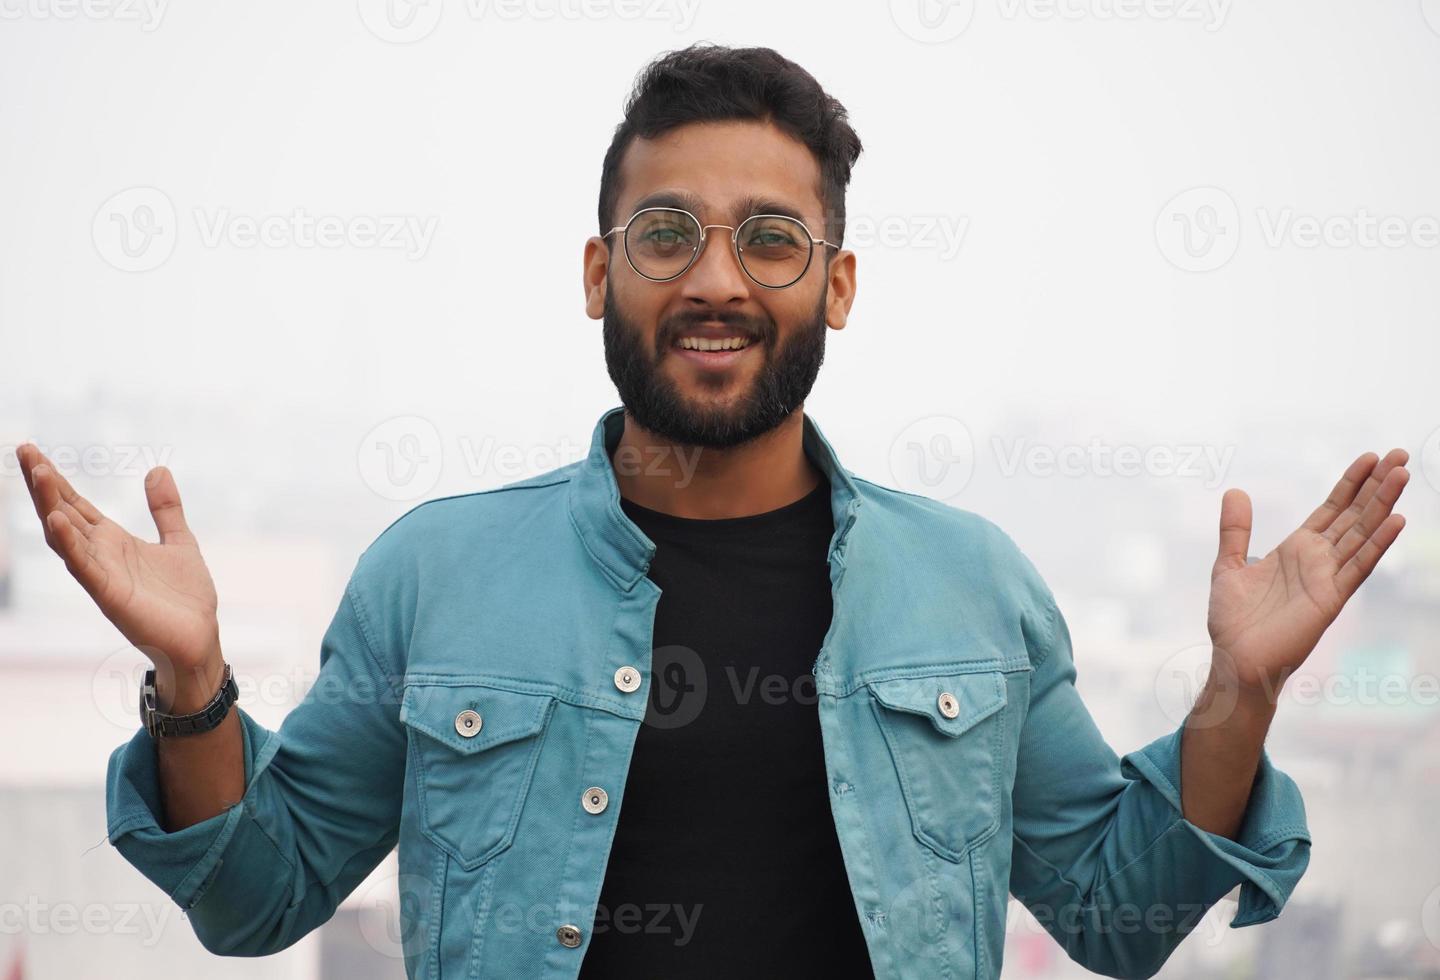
<point>712,82</point>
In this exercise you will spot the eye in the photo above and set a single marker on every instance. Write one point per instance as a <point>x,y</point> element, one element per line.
<point>771,237</point>
<point>665,236</point>
<point>774,239</point>
<point>663,233</point>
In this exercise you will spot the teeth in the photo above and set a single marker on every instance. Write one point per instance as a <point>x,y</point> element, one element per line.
<point>704,343</point>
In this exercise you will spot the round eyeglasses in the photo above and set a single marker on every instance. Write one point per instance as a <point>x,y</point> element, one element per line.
<point>773,249</point>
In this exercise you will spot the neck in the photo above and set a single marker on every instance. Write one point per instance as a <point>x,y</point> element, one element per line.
<point>701,482</point>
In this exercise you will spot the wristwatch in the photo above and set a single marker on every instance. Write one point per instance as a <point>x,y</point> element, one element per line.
<point>161,725</point>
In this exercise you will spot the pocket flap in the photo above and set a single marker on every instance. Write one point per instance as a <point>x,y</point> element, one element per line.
<point>504,715</point>
<point>978,695</point>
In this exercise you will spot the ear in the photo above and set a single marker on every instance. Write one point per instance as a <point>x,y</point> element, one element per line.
<point>596,267</point>
<point>841,274</point>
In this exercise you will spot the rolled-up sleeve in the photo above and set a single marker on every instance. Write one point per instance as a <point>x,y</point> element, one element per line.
<point>320,810</point>
<point>1103,856</point>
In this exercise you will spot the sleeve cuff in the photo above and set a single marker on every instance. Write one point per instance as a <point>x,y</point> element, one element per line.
<point>1272,848</point>
<point>183,863</point>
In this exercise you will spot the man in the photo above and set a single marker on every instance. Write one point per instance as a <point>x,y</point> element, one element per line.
<point>706,703</point>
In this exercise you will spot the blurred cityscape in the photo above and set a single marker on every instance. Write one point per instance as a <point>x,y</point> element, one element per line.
<point>281,512</point>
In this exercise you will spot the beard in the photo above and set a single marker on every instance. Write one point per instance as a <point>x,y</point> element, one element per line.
<point>656,403</point>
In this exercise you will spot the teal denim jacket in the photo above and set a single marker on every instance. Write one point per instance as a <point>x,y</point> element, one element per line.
<point>489,666</point>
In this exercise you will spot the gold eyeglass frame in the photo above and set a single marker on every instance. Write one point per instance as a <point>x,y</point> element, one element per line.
<point>734,245</point>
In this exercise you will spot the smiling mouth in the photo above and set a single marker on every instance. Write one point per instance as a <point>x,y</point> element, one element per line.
<point>714,354</point>
<point>713,344</point>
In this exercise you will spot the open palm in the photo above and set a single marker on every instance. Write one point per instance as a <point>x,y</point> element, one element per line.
<point>1267,616</point>
<point>159,595</point>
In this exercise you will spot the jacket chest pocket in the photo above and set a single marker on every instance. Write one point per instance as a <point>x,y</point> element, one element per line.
<point>946,736</point>
<point>473,750</point>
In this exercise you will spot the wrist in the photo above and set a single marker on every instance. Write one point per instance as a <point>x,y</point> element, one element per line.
<point>189,689</point>
<point>1251,688</point>
<point>1225,700</point>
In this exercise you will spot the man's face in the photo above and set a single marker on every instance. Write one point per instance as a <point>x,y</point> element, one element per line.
<point>719,172</point>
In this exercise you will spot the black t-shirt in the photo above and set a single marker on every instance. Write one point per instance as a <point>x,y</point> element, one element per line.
<point>725,861</point>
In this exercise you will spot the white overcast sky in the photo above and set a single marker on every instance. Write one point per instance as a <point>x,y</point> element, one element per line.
<point>1019,212</point>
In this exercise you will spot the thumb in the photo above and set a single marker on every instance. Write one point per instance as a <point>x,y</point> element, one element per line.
<point>164,501</point>
<point>1234,529</point>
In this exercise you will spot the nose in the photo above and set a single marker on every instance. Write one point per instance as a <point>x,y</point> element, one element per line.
<point>716,276</point>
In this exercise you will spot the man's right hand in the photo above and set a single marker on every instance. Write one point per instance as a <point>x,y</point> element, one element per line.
<point>159,595</point>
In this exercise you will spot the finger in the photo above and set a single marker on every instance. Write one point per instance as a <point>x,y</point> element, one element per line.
<point>1347,518</point>
<point>1341,494</point>
<point>22,453</point>
<point>47,498</point>
<point>72,497</point>
<point>1375,513</point>
<point>73,547</point>
<point>1235,521</point>
<point>31,457</point>
<point>164,499</point>
<point>67,493</point>
<point>1359,567</point>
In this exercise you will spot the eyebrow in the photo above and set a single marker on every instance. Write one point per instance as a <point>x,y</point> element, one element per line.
<point>744,207</point>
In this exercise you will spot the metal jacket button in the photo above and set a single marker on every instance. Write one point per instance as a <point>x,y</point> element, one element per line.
<point>627,679</point>
<point>468,723</point>
<point>949,707</point>
<point>569,935</point>
<point>594,799</point>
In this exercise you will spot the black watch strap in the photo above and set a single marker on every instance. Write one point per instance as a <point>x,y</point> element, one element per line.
<point>161,725</point>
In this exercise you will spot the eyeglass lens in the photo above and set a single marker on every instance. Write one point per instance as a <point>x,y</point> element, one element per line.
<point>773,249</point>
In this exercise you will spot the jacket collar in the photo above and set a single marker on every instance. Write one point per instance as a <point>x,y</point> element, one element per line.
<point>623,550</point>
